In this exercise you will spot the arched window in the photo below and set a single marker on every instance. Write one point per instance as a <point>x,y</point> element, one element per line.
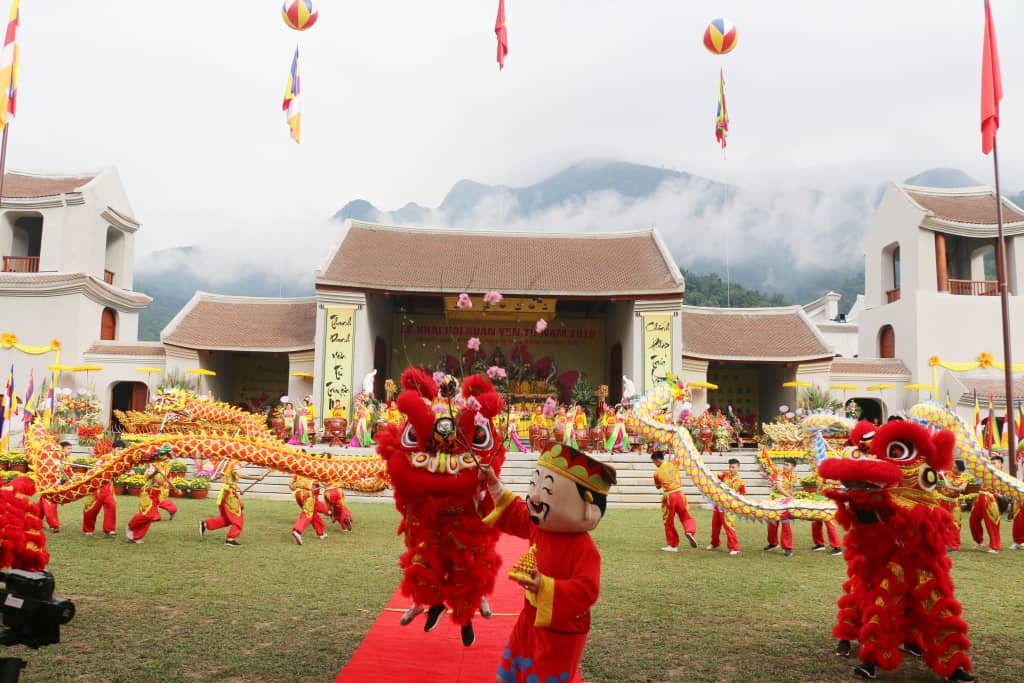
<point>108,324</point>
<point>886,342</point>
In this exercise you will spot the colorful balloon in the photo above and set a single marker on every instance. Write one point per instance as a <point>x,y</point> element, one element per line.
<point>720,37</point>
<point>299,14</point>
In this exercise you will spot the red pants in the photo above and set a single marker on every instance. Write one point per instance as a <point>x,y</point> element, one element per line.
<point>724,520</point>
<point>833,535</point>
<point>336,502</point>
<point>787,534</point>
<point>102,500</point>
<point>149,512</point>
<point>954,510</point>
<point>674,505</point>
<point>1018,525</point>
<point>309,513</point>
<point>168,505</point>
<point>230,515</point>
<point>49,510</point>
<point>985,511</point>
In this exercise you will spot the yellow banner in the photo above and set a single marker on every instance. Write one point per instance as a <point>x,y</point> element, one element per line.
<point>657,347</point>
<point>339,340</point>
<point>570,344</point>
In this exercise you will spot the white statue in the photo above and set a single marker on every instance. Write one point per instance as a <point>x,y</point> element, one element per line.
<point>368,382</point>
<point>628,388</point>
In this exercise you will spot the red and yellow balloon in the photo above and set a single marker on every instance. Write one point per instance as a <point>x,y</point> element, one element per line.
<point>720,37</point>
<point>299,14</point>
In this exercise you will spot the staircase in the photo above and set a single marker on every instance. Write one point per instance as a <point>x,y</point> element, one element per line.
<point>635,487</point>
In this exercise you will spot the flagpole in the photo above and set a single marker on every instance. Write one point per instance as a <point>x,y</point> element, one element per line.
<point>1004,301</point>
<point>3,159</point>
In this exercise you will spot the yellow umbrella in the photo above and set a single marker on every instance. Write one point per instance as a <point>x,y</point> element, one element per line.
<point>58,368</point>
<point>845,387</point>
<point>880,387</point>
<point>920,387</point>
<point>86,369</point>
<point>150,371</point>
<point>201,372</point>
<point>796,383</point>
<point>303,374</point>
<point>703,385</point>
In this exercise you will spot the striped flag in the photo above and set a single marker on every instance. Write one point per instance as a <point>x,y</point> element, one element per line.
<point>977,412</point>
<point>291,97</point>
<point>8,412</point>
<point>722,116</point>
<point>29,411</point>
<point>9,69</point>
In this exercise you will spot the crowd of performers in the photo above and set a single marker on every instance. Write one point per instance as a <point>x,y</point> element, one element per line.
<point>316,500</point>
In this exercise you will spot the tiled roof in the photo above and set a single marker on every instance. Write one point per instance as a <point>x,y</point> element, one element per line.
<point>123,349</point>
<point>211,321</point>
<point>990,384</point>
<point>775,334</point>
<point>869,366</point>
<point>54,280</point>
<point>28,185</point>
<point>433,260</point>
<point>964,206</point>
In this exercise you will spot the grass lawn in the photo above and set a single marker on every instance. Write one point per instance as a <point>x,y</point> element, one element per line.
<point>177,609</point>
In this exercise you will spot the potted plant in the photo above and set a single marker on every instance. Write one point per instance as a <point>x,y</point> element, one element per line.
<point>4,458</point>
<point>198,487</point>
<point>178,469</point>
<point>133,484</point>
<point>179,487</point>
<point>17,462</point>
<point>119,484</point>
<point>809,483</point>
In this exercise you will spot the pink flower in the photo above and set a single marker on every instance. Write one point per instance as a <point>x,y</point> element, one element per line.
<point>541,325</point>
<point>493,298</point>
<point>481,420</point>
<point>438,378</point>
<point>549,407</point>
<point>472,403</point>
<point>464,301</point>
<point>494,372</point>
<point>473,344</point>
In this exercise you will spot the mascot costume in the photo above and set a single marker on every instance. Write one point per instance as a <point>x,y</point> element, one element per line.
<point>899,595</point>
<point>432,459</point>
<point>562,570</point>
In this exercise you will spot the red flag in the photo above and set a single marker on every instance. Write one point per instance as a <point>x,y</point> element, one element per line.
<point>501,31</point>
<point>991,85</point>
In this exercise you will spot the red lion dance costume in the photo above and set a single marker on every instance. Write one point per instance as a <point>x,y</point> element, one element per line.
<point>899,595</point>
<point>432,460</point>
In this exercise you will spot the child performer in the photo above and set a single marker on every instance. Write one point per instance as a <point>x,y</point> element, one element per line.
<point>986,510</point>
<point>566,500</point>
<point>229,504</point>
<point>727,520</point>
<point>334,500</point>
<point>306,494</point>
<point>512,441</point>
<point>103,499</point>
<point>149,500</point>
<point>673,502</point>
<point>783,486</point>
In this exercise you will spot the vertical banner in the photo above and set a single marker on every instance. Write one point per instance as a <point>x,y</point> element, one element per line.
<point>657,347</point>
<point>339,326</point>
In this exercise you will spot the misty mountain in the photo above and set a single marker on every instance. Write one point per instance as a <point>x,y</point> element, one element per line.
<point>791,244</point>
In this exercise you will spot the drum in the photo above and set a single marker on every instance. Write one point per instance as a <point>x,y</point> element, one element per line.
<point>277,424</point>
<point>583,439</point>
<point>543,439</point>
<point>597,438</point>
<point>559,433</point>
<point>335,429</point>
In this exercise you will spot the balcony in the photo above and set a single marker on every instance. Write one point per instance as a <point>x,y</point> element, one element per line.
<point>892,295</point>
<point>973,287</point>
<point>108,277</point>
<point>21,264</point>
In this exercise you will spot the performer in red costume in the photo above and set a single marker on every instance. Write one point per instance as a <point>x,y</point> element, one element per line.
<point>450,561</point>
<point>102,500</point>
<point>149,499</point>
<point>334,502</point>
<point>567,498</point>
<point>726,520</point>
<point>673,502</point>
<point>783,486</point>
<point>307,494</point>
<point>166,504</point>
<point>899,596</point>
<point>229,505</point>
<point>985,516</point>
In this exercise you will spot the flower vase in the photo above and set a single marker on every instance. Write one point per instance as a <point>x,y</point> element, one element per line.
<point>133,490</point>
<point>118,490</point>
<point>198,493</point>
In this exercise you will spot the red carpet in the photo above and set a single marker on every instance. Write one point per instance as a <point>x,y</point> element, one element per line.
<point>391,652</point>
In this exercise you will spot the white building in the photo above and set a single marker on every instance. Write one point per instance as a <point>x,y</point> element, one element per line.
<point>931,290</point>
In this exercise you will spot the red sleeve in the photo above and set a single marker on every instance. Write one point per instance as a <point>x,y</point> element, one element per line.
<point>721,476</point>
<point>510,515</point>
<point>561,603</point>
<point>657,481</point>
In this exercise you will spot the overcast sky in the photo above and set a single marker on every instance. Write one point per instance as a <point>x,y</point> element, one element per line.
<point>401,98</point>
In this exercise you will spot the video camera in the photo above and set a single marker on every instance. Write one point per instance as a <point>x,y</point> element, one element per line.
<point>30,614</point>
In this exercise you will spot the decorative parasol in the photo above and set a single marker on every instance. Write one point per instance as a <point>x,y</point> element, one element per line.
<point>303,374</point>
<point>150,371</point>
<point>58,368</point>
<point>87,369</point>
<point>796,384</point>
<point>200,372</point>
<point>701,384</point>
<point>844,388</point>
<point>920,387</point>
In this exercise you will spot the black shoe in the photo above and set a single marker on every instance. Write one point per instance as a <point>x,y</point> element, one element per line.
<point>865,670</point>
<point>912,649</point>
<point>961,676</point>
<point>843,648</point>
<point>770,546</point>
<point>433,617</point>
<point>835,551</point>
<point>468,637</point>
<point>817,547</point>
<point>788,552</point>
<point>348,524</point>
<point>202,530</point>
<point>171,518</point>
<point>692,540</point>
<point>232,542</point>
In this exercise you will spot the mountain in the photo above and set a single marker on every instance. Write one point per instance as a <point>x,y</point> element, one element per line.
<point>789,245</point>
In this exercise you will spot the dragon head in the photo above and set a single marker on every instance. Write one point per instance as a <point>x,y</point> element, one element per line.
<point>447,431</point>
<point>902,454</point>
